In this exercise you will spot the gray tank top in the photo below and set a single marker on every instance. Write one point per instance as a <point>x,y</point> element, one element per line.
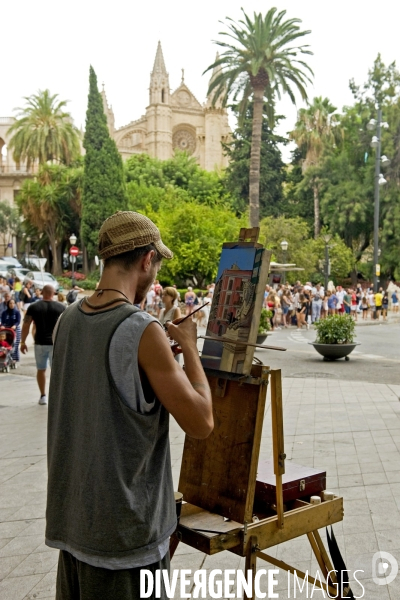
<point>110,492</point>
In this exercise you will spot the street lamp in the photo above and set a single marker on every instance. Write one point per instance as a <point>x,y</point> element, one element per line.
<point>379,180</point>
<point>72,241</point>
<point>284,246</point>
<point>327,270</point>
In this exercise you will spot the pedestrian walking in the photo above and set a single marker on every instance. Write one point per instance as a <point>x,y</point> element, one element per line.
<point>11,318</point>
<point>44,315</point>
<point>190,297</point>
<point>395,301</point>
<point>365,306</point>
<point>385,305</point>
<point>316,306</point>
<point>378,302</point>
<point>110,500</point>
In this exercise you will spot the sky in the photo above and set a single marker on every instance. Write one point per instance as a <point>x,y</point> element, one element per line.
<point>48,44</point>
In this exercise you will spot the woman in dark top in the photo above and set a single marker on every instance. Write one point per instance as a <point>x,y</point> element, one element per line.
<point>385,305</point>
<point>11,318</point>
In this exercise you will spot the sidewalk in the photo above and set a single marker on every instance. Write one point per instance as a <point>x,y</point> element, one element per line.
<point>350,428</point>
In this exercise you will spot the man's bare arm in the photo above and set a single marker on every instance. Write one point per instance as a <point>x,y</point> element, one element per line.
<point>185,394</point>
<point>25,331</point>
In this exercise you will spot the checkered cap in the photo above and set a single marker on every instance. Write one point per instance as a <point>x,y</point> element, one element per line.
<point>125,231</point>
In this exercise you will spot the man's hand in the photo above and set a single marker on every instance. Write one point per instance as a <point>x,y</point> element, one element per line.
<point>24,348</point>
<point>184,334</point>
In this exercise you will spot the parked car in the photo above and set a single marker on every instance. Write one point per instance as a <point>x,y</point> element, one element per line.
<point>11,260</point>
<point>5,268</point>
<point>40,278</point>
<point>20,273</point>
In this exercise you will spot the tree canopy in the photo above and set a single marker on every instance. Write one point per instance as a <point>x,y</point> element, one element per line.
<point>259,60</point>
<point>44,132</point>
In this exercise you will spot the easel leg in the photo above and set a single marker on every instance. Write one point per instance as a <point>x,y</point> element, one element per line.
<point>173,544</point>
<point>251,564</point>
<point>322,556</point>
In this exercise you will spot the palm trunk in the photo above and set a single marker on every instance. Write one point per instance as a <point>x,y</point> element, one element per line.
<point>317,220</point>
<point>255,157</point>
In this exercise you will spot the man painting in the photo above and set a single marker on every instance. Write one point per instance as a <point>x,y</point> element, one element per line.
<point>110,504</point>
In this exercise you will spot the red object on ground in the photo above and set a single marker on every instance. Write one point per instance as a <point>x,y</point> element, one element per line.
<point>74,251</point>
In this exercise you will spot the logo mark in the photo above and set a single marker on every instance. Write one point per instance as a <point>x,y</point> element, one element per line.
<point>384,568</point>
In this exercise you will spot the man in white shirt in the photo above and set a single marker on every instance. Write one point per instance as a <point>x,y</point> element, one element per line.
<point>340,296</point>
<point>150,298</point>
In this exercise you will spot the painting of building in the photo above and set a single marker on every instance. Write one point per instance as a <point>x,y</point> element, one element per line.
<point>236,308</point>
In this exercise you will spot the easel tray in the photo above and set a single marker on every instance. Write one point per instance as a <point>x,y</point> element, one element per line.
<point>211,534</point>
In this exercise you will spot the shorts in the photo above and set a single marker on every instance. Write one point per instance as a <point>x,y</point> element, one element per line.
<point>353,307</point>
<point>43,355</point>
<point>285,310</point>
<point>77,580</point>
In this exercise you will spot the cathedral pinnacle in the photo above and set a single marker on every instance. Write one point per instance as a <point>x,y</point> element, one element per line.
<point>159,64</point>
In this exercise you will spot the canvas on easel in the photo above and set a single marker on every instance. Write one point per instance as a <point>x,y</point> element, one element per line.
<point>236,306</point>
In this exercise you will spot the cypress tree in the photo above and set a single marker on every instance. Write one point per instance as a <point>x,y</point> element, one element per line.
<point>104,181</point>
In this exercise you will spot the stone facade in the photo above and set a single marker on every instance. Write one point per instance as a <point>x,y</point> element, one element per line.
<point>173,121</point>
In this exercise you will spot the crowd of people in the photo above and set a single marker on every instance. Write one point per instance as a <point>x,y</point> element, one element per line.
<point>15,299</point>
<point>301,305</point>
<point>167,304</point>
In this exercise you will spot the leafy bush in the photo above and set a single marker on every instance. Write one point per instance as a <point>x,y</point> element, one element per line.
<point>265,324</point>
<point>335,329</point>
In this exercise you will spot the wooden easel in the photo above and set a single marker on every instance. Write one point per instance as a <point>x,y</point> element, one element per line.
<point>218,479</point>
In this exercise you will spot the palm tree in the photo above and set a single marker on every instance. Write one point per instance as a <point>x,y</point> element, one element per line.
<point>314,132</point>
<point>260,61</point>
<point>50,203</point>
<point>44,132</point>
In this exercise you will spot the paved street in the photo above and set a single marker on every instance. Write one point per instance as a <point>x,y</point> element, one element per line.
<point>346,419</point>
<point>376,359</point>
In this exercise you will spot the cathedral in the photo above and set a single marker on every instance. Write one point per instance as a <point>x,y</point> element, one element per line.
<point>174,121</point>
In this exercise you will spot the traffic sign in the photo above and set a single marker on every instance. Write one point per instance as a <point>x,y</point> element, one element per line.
<point>74,251</point>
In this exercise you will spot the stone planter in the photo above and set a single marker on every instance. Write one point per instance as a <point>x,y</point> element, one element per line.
<point>262,337</point>
<point>334,351</point>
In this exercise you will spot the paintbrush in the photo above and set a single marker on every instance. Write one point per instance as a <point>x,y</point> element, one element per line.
<point>191,314</point>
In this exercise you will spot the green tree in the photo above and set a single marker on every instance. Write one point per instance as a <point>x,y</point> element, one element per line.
<point>104,190</point>
<point>44,132</point>
<point>49,205</point>
<point>260,60</point>
<point>298,201</point>
<point>195,232</point>
<point>314,131</point>
<point>272,167</point>
<point>304,251</point>
<point>181,172</point>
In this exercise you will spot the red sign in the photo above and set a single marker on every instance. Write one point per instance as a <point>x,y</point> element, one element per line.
<point>74,251</point>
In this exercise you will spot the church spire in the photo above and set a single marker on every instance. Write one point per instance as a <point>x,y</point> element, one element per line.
<point>108,111</point>
<point>159,80</point>
<point>159,64</point>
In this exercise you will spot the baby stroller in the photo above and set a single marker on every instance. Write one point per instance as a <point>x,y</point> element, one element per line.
<point>6,360</point>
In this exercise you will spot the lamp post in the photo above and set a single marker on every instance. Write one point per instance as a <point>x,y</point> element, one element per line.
<point>284,246</point>
<point>72,241</point>
<point>327,270</point>
<point>379,180</point>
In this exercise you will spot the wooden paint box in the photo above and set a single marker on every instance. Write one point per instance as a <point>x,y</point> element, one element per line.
<point>297,482</point>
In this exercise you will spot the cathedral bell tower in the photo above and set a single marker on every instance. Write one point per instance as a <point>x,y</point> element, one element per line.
<point>159,111</point>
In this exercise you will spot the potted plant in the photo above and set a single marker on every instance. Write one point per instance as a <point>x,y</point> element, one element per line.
<point>264,326</point>
<point>335,337</point>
